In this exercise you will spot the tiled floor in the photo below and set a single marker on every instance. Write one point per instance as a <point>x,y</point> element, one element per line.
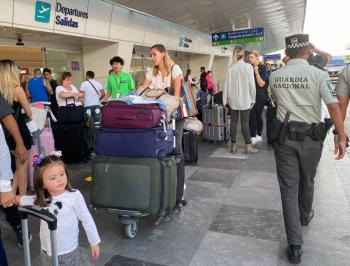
<point>233,217</point>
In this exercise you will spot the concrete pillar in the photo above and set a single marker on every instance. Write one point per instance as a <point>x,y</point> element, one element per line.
<point>211,61</point>
<point>220,65</point>
<point>196,62</point>
<point>96,58</point>
<point>125,52</point>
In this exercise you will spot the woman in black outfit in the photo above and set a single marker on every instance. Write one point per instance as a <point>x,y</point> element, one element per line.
<point>261,84</point>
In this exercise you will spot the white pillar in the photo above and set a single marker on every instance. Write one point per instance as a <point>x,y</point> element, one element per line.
<point>125,52</point>
<point>197,61</point>
<point>96,58</point>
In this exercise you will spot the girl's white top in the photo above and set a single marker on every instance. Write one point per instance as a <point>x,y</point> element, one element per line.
<point>73,210</point>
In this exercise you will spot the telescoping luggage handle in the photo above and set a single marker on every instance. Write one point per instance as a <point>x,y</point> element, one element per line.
<point>47,216</point>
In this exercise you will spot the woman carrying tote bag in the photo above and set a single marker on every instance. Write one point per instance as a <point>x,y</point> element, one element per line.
<point>165,74</point>
<point>69,99</point>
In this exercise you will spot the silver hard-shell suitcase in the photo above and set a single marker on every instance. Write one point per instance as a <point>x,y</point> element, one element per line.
<point>216,123</point>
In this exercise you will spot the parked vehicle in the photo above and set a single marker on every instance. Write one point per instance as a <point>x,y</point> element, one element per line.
<point>334,67</point>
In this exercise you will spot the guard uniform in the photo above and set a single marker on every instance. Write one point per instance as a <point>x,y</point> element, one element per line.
<point>299,88</point>
<point>343,85</point>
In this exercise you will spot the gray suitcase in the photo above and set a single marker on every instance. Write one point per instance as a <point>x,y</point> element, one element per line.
<point>147,185</point>
<point>216,123</point>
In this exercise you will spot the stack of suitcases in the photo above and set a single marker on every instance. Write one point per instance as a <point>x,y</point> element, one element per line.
<point>136,171</point>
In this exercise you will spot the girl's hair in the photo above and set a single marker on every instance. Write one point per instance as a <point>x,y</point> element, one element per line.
<point>64,76</point>
<point>43,197</point>
<point>9,79</point>
<point>168,62</point>
<point>238,54</point>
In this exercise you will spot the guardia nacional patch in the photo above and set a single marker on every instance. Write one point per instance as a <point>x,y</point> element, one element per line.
<point>330,88</point>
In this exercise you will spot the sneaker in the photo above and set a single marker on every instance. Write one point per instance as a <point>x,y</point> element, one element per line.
<point>20,238</point>
<point>258,138</point>
<point>254,141</point>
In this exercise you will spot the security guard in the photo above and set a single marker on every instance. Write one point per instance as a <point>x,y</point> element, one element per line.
<point>342,89</point>
<point>298,89</point>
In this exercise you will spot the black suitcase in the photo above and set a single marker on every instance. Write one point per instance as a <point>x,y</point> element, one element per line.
<point>190,147</point>
<point>69,138</point>
<point>180,186</point>
<point>270,116</point>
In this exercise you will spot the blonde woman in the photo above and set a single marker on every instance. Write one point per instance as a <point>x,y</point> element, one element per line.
<point>166,74</point>
<point>15,96</point>
<point>239,96</point>
<point>159,77</point>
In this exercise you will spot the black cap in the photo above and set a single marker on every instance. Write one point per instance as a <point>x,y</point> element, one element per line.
<point>297,41</point>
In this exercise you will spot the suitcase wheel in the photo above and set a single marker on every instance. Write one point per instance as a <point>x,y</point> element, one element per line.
<point>169,163</point>
<point>130,230</point>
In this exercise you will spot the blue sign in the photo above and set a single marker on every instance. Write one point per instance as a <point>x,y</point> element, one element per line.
<point>238,36</point>
<point>42,11</point>
<point>272,57</point>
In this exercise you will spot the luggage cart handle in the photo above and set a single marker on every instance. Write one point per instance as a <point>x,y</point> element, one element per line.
<point>40,213</point>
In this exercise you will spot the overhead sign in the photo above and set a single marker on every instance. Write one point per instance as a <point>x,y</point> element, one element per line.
<point>65,16</point>
<point>69,21</point>
<point>238,36</point>
<point>272,57</point>
<point>42,11</point>
<point>185,42</point>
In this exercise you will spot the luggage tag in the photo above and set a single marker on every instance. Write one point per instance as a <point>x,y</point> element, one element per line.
<point>164,126</point>
<point>117,96</point>
<point>184,110</point>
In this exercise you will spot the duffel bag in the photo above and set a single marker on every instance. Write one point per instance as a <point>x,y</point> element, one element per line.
<point>118,114</point>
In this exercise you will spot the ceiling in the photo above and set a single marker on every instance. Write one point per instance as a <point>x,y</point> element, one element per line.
<point>278,17</point>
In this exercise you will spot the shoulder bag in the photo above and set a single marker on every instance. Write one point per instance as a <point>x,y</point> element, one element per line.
<point>187,106</point>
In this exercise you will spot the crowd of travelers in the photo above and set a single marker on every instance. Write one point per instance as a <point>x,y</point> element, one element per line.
<point>245,93</point>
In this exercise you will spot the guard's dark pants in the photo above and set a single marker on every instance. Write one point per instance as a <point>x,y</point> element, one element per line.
<point>296,164</point>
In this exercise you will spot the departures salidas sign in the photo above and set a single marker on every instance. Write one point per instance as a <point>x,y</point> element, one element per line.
<point>65,15</point>
<point>64,20</point>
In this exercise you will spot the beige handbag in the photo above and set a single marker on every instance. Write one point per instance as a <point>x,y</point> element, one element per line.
<point>193,124</point>
<point>171,102</point>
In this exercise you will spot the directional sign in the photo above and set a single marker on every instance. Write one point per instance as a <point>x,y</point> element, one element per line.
<point>238,36</point>
<point>272,57</point>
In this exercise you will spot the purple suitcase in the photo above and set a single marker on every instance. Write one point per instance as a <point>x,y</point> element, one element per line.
<point>118,114</point>
<point>135,143</point>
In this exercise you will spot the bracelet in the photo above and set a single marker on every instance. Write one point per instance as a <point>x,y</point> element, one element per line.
<point>336,138</point>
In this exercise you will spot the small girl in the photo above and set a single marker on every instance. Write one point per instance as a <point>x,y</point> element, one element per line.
<point>51,184</point>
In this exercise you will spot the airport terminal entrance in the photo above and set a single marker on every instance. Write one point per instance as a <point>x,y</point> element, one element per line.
<point>30,58</point>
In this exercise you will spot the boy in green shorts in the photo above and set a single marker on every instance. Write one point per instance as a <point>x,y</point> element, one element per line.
<point>119,83</point>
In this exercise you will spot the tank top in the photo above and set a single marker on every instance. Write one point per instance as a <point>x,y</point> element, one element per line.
<point>38,90</point>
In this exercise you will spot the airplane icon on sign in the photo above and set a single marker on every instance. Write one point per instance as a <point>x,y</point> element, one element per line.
<point>42,11</point>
